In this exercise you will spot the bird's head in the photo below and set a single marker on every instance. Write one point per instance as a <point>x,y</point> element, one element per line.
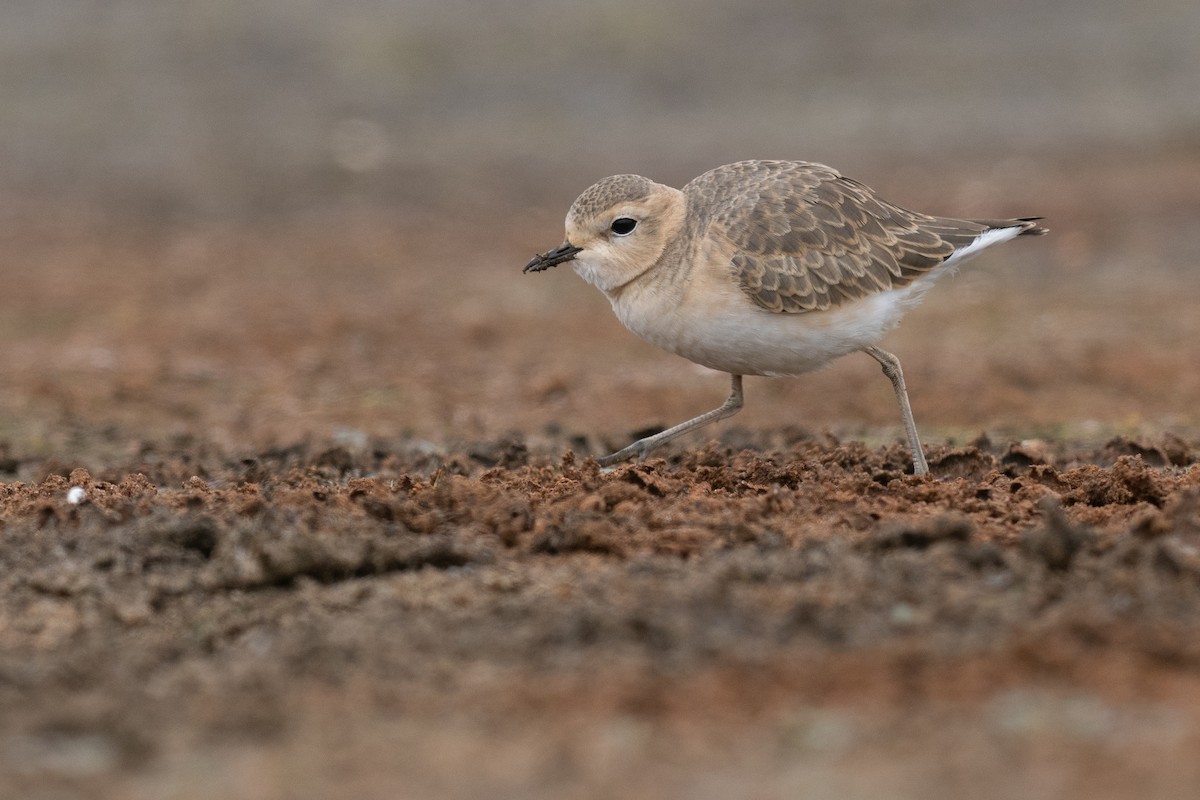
<point>617,230</point>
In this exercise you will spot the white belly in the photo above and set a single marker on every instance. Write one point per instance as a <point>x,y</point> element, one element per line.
<point>724,330</point>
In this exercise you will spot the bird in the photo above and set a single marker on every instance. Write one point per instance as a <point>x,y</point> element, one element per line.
<point>766,268</point>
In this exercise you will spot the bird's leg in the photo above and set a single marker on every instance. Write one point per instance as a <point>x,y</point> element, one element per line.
<point>641,447</point>
<point>891,368</point>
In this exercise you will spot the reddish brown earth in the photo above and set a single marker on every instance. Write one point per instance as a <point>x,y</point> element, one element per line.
<point>341,534</point>
<point>308,620</point>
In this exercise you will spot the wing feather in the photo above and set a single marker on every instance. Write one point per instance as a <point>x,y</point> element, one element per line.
<point>804,238</point>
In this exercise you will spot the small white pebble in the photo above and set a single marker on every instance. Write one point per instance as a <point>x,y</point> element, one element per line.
<point>76,495</point>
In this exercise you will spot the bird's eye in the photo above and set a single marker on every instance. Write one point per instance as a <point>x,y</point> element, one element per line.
<point>623,226</point>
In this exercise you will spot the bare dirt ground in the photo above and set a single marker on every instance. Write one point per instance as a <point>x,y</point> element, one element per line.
<point>341,536</point>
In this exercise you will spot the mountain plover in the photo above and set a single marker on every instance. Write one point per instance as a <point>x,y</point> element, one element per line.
<point>764,268</point>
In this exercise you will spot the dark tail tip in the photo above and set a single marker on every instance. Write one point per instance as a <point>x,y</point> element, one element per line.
<point>1029,227</point>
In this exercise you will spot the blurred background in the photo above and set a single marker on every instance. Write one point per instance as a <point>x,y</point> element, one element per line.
<point>248,223</point>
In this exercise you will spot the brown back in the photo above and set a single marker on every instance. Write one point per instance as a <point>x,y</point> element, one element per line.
<point>804,238</point>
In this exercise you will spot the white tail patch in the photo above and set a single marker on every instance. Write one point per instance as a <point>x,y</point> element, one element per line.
<point>982,242</point>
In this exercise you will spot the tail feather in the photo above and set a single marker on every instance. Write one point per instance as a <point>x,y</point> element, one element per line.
<point>1028,225</point>
<point>971,236</point>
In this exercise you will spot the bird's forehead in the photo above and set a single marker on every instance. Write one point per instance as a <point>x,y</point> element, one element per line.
<point>599,197</point>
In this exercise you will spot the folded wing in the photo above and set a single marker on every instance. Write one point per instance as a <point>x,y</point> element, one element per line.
<point>804,238</point>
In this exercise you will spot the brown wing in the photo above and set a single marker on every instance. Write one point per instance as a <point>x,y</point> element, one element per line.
<point>806,239</point>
